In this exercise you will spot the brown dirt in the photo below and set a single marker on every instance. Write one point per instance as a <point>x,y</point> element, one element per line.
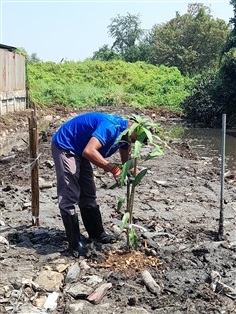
<point>177,203</point>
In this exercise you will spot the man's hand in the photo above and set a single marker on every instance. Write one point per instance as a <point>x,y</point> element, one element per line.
<point>116,171</point>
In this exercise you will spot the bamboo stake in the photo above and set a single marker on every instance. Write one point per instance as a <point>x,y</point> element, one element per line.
<point>33,141</point>
<point>221,220</point>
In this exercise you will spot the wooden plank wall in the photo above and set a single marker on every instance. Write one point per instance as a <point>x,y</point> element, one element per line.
<point>12,82</point>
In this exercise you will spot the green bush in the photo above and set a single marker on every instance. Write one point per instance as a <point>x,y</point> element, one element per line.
<point>201,106</point>
<point>227,86</point>
<point>214,93</point>
<point>96,83</point>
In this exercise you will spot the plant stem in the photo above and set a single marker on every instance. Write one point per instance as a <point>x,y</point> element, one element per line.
<point>131,202</point>
<point>128,210</point>
<point>128,200</point>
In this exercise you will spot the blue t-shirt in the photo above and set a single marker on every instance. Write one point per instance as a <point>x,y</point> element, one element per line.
<point>75,134</point>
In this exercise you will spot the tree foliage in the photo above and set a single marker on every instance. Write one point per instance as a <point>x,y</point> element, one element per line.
<point>29,58</point>
<point>191,42</point>
<point>105,53</point>
<point>231,38</point>
<point>126,32</point>
<point>227,86</point>
<point>201,106</point>
<point>216,94</point>
<point>33,58</point>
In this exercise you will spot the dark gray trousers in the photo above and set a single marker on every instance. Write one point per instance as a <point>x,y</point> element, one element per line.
<point>75,181</point>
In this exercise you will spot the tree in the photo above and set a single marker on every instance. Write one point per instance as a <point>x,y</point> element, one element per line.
<point>146,131</point>
<point>191,42</point>
<point>29,58</point>
<point>215,94</point>
<point>127,32</point>
<point>34,58</point>
<point>231,38</point>
<point>105,53</point>
<point>227,83</point>
<point>227,74</point>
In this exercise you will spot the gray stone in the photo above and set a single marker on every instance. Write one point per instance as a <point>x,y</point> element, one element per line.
<point>73,273</point>
<point>78,290</point>
<point>92,280</point>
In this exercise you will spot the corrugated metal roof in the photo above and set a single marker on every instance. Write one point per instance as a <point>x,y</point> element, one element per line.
<point>9,48</point>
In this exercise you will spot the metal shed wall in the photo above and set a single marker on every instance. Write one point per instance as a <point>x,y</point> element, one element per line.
<point>12,82</point>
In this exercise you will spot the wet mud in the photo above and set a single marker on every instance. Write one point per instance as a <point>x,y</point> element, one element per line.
<point>177,205</point>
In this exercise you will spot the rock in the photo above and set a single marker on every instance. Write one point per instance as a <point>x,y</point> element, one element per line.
<point>26,205</point>
<point>99,293</point>
<point>73,273</point>
<point>8,159</point>
<point>92,280</point>
<point>162,183</point>
<point>132,301</point>
<point>51,302</point>
<point>84,265</point>
<point>61,268</point>
<point>49,163</point>
<point>2,223</point>
<point>219,287</point>
<point>77,307</point>
<point>49,280</point>
<point>7,188</point>
<point>48,118</point>
<point>78,290</point>
<point>150,282</point>
<point>40,301</point>
<point>4,241</point>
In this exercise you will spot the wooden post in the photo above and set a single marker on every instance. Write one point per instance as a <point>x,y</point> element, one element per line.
<point>33,146</point>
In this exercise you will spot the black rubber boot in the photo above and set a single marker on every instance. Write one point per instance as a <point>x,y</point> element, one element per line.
<point>92,220</point>
<point>71,224</point>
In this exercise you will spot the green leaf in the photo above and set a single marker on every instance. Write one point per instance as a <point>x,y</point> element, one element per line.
<point>158,148</point>
<point>137,118</point>
<point>120,204</point>
<point>157,137</point>
<point>149,135</point>
<point>160,140</point>
<point>125,219</point>
<point>119,138</point>
<point>115,185</point>
<point>154,154</point>
<point>133,127</point>
<point>125,170</point>
<point>137,148</point>
<point>139,177</point>
<point>139,142</point>
<point>133,238</point>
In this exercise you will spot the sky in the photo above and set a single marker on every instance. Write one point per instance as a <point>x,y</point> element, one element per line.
<point>74,30</point>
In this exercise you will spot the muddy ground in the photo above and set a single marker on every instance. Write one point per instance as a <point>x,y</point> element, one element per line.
<point>178,205</point>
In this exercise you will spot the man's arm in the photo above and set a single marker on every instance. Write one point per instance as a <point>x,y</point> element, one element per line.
<point>124,155</point>
<point>91,152</point>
